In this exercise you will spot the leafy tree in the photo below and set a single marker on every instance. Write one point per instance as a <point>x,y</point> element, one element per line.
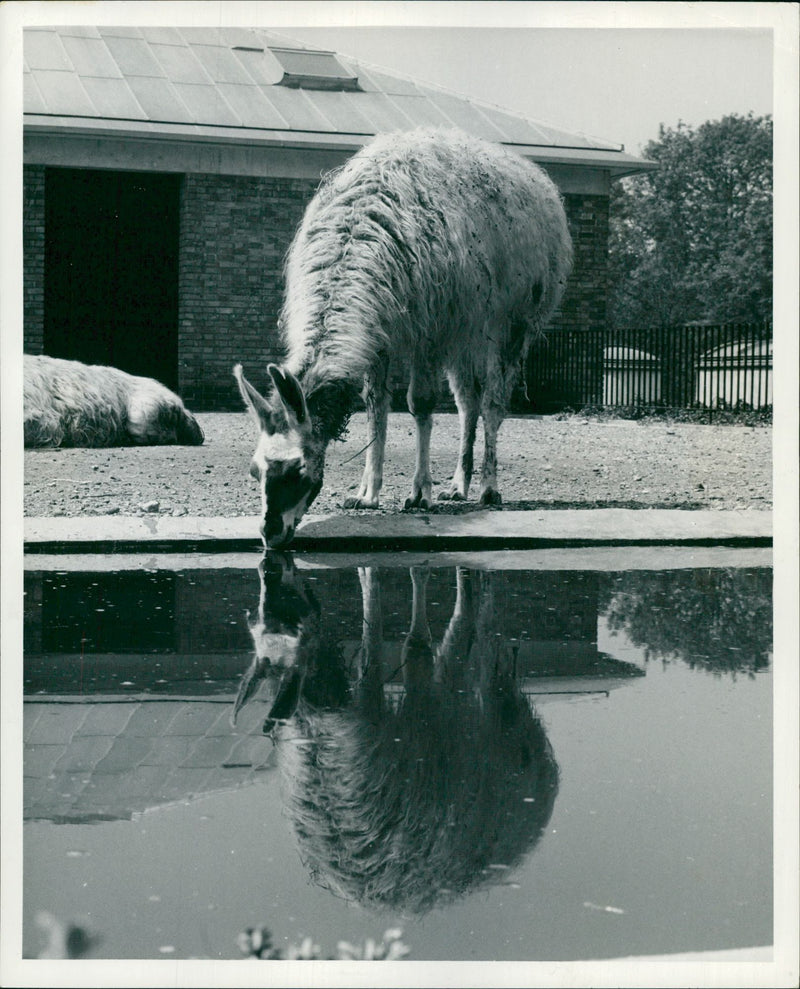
<point>692,240</point>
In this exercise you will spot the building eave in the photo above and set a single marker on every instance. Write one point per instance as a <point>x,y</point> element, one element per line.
<point>615,163</point>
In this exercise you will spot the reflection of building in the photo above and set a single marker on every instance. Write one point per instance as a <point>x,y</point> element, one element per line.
<point>110,756</point>
<point>167,168</point>
<point>129,684</point>
<point>547,620</point>
<point>130,678</point>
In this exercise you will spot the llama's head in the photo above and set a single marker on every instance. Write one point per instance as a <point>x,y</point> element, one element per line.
<point>289,659</point>
<point>156,415</point>
<point>289,457</point>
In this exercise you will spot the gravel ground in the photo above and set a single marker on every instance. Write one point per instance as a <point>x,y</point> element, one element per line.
<point>543,462</point>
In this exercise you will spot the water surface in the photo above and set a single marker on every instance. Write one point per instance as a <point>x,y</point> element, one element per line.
<point>506,763</point>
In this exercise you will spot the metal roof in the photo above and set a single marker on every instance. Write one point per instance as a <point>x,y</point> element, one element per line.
<point>226,84</point>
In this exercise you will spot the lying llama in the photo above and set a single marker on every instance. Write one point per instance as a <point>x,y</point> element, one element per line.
<point>411,804</point>
<point>431,248</point>
<point>72,404</point>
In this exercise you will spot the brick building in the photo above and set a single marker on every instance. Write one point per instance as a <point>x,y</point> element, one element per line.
<point>165,172</point>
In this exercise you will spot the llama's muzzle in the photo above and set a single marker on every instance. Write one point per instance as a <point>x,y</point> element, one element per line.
<point>276,533</point>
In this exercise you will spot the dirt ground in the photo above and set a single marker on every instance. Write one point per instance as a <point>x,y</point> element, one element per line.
<point>543,463</point>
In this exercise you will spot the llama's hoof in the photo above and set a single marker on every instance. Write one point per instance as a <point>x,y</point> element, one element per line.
<point>491,497</point>
<point>359,503</point>
<point>418,501</point>
<point>451,494</point>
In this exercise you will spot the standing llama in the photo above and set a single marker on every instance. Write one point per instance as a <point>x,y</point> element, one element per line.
<point>67,403</point>
<point>430,248</point>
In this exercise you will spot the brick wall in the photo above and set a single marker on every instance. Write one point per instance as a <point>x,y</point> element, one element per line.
<point>235,231</point>
<point>584,302</point>
<point>583,307</point>
<point>234,234</point>
<point>33,258</point>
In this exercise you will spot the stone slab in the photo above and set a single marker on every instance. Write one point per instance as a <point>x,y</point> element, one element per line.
<point>478,530</point>
<point>603,557</point>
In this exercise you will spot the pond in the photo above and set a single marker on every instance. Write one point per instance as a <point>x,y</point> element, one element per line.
<point>505,759</point>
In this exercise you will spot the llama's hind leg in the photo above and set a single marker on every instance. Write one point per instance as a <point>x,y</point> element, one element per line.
<point>467,398</point>
<point>495,402</point>
<point>376,398</point>
<point>421,402</point>
<point>456,645</point>
<point>492,420</point>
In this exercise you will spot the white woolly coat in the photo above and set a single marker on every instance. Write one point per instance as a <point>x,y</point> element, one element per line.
<point>429,243</point>
<point>67,403</point>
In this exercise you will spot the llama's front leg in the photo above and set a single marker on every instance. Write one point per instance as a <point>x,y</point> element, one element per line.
<point>369,675</point>
<point>417,651</point>
<point>422,483</point>
<point>493,416</point>
<point>377,398</point>
<point>421,402</point>
<point>468,405</point>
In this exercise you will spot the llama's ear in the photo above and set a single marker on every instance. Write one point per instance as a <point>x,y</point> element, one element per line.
<point>255,402</point>
<point>287,696</point>
<point>290,391</point>
<point>248,685</point>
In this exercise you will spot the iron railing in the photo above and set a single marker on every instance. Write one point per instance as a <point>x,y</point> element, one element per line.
<point>695,366</point>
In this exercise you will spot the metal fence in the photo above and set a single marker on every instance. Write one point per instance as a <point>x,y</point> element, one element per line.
<point>696,366</point>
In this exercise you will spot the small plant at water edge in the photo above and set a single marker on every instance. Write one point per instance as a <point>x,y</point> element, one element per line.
<point>256,942</point>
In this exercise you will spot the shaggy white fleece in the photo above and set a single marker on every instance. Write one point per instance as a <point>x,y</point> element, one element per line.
<point>429,243</point>
<point>72,404</point>
<point>406,806</point>
<point>429,248</point>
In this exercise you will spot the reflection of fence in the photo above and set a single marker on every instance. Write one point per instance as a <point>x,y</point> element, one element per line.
<point>694,366</point>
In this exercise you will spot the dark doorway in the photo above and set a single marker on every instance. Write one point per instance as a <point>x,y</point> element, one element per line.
<point>111,270</point>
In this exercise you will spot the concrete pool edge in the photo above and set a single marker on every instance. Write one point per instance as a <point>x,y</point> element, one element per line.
<point>427,532</point>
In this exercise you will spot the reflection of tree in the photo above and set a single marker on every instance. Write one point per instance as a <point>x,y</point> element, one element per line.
<point>717,620</point>
<point>409,803</point>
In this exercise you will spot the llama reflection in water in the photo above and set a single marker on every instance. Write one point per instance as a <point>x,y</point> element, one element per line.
<point>410,804</point>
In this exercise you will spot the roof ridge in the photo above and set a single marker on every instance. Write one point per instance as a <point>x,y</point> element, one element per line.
<point>295,42</point>
<point>602,143</point>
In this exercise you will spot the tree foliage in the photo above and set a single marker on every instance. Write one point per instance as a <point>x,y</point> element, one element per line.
<point>692,240</point>
<point>714,620</point>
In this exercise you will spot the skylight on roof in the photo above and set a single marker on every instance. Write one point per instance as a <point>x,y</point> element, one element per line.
<point>311,69</point>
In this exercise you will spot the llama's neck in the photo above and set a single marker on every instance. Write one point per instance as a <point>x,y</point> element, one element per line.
<point>329,339</point>
<point>330,405</point>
